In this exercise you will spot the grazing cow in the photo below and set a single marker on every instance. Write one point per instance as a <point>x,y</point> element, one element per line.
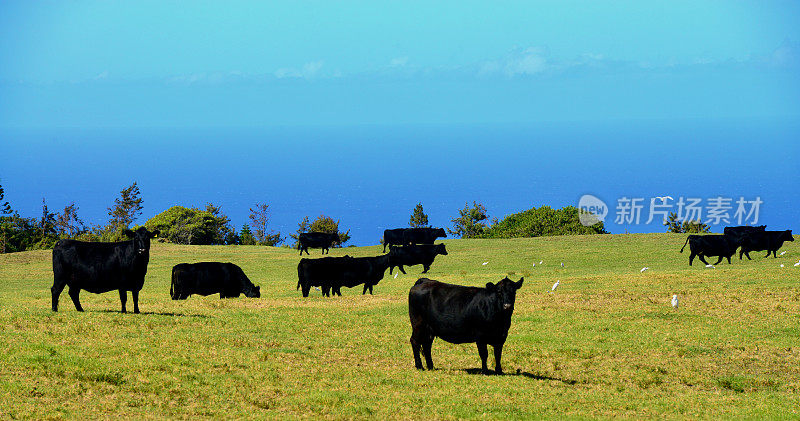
<point>460,314</point>
<point>723,246</point>
<point>770,241</point>
<point>317,272</point>
<point>316,240</point>
<point>742,230</point>
<point>422,235</point>
<point>393,237</point>
<point>102,267</point>
<point>414,255</point>
<point>332,273</point>
<point>206,278</point>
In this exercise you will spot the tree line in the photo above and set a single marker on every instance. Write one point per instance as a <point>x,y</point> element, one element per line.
<point>210,226</point>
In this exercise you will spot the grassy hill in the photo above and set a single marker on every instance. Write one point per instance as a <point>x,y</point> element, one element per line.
<point>607,343</point>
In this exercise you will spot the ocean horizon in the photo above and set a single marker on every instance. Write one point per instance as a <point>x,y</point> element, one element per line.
<point>370,177</point>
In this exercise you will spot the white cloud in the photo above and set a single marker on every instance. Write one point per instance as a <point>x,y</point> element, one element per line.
<point>398,62</point>
<point>530,62</point>
<point>309,70</point>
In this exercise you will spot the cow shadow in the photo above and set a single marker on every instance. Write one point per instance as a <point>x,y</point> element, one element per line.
<point>525,374</point>
<point>154,313</point>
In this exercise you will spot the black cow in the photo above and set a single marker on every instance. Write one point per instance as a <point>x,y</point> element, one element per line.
<point>317,272</point>
<point>460,314</point>
<point>414,255</point>
<point>393,237</point>
<point>316,240</point>
<point>332,273</point>
<point>742,230</point>
<point>723,246</point>
<point>770,241</point>
<point>206,278</point>
<point>102,267</point>
<point>422,235</point>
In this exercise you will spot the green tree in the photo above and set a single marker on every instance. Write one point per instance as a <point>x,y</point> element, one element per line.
<point>259,216</point>
<point>302,226</point>
<point>327,224</point>
<point>68,224</point>
<point>5,208</point>
<point>47,235</point>
<point>418,217</point>
<point>542,221</point>
<point>674,225</point>
<point>246,236</point>
<point>182,225</point>
<point>6,224</point>
<point>127,207</point>
<point>220,231</point>
<point>468,224</point>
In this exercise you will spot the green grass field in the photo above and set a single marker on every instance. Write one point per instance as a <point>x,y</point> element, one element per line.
<point>606,344</point>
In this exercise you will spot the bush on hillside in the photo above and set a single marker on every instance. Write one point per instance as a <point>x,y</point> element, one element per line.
<point>543,221</point>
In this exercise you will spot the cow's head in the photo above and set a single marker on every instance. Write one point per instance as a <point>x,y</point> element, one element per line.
<point>440,232</point>
<point>141,239</point>
<point>255,292</point>
<point>788,235</point>
<point>506,292</point>
<point>441,250</point>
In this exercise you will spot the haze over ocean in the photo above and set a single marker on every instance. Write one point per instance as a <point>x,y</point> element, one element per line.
<point>370,177</point>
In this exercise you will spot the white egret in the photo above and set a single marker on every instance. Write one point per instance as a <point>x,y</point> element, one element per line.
<point>555,285</point>
<point>675,301</point>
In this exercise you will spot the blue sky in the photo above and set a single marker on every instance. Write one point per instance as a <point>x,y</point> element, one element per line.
<point>262,64</point>
<point>359,110</point>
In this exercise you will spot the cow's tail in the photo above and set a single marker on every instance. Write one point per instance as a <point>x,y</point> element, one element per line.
<point>684,244</point>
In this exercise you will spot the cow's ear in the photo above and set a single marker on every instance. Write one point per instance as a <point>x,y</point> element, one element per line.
<point>127,232</point>
<point>155,233</point>
<point>490,286</point>
<point>518,284</point>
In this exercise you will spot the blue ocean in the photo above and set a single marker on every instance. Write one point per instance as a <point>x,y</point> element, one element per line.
<point>370,177</point>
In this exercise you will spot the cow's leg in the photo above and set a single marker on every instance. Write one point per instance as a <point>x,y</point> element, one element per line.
<point>370,289</point>
<point>702,259</point>
<point>771,252</point>
<point>306,290</point>
<point>747,253</point>
<point>338,291</point>
<point>691,257</point>
<point>55,291</point>
<point>401,269</point>
<point>483,352</point>
<point>366,287</point>
<point>123,297</point>
<point>426,267</point>
<point>135,297</point>
<point>498,352</point>
<point>718,260</point>
<point>426,348</point>
<point>729,259</point>
<point>415,346</point>
<point>74,294</point>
